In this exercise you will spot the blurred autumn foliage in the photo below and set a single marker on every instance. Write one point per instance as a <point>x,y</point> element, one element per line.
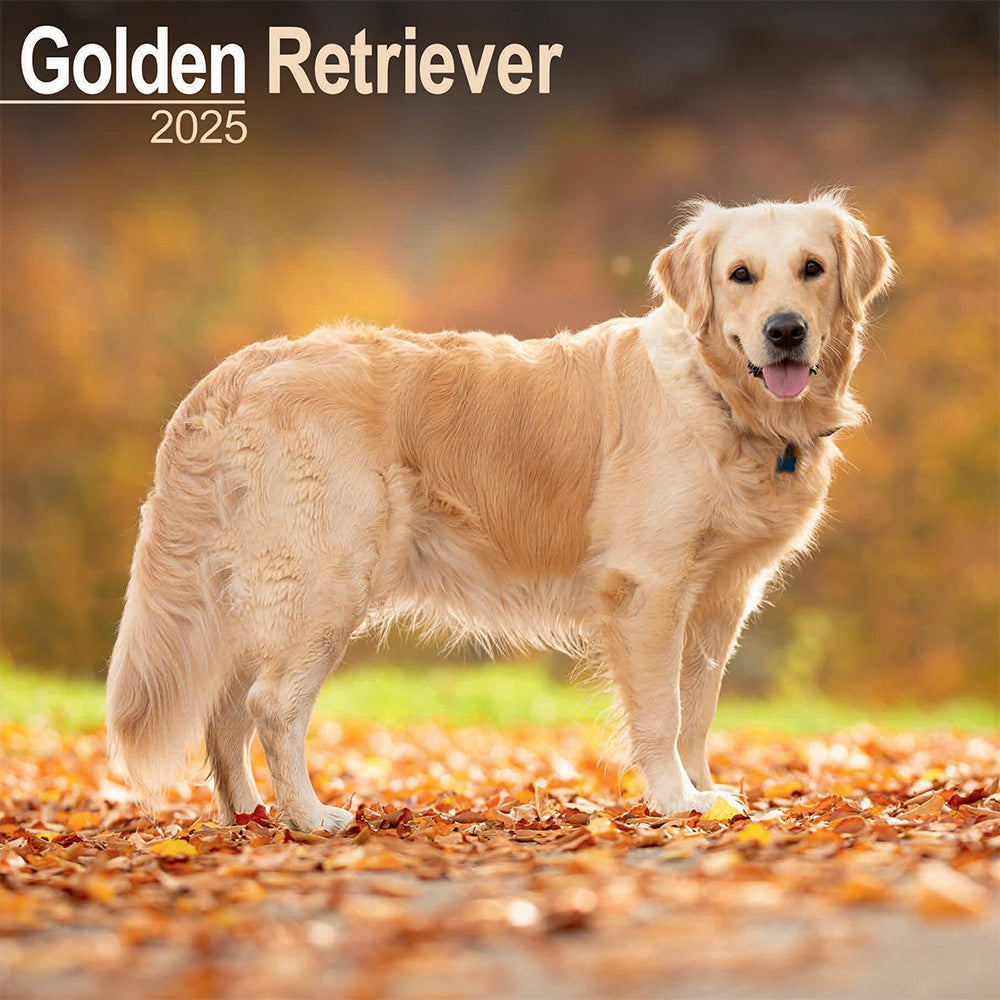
<point>130,270</point>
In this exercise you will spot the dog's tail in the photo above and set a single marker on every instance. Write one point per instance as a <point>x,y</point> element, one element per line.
<point>170,662</point>
<point>165,672</point>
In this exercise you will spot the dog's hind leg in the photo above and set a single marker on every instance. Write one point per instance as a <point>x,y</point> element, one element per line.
<point>281,701</point>
<point>228,736</point>
<point>320,536</point>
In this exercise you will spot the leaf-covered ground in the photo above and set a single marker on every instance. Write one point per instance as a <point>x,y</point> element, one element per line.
<point>490,862</point>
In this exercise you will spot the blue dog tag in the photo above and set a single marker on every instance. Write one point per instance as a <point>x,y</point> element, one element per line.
<point>787,460</point>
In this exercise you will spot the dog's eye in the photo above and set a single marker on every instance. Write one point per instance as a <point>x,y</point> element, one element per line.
<point>741,276</point>
<point>812,268</point>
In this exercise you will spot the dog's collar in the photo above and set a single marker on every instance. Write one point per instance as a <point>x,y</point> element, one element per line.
<point>789,458</point>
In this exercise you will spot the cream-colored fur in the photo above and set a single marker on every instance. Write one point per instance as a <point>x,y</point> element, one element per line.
<point>614,488</point>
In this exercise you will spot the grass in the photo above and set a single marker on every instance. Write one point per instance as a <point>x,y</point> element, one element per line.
<point>490,694</point>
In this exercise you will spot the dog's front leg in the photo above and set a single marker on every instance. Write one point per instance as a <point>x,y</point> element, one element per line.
<point>644,646</point>
<point>711,633</point>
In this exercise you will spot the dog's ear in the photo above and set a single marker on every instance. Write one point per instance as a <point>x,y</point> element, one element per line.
<point>866,266</point>
<point>683,271</point>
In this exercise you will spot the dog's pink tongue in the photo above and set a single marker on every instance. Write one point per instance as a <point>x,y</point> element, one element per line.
<point>786,379</point>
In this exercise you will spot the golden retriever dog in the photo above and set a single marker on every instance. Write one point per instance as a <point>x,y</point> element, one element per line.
<point>630,490</point>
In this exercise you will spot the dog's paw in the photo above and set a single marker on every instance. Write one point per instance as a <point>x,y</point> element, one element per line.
<point>733,797</point>
<point>698,801</point>
<point>329,818</point>
<point>333,819</point>
<point>683,803</point>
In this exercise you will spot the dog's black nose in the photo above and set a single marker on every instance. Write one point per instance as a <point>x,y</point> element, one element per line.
<point>785,330</point>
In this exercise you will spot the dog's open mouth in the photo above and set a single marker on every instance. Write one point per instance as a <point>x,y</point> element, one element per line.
<point>785,379</point>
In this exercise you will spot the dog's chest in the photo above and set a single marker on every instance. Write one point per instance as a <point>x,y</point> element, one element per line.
<point>768,502</point>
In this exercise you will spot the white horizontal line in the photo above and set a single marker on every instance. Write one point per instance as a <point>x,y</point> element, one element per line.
<point>153,101</point>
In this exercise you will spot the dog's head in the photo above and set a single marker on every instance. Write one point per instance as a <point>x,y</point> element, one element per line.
<point>776,295</point>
